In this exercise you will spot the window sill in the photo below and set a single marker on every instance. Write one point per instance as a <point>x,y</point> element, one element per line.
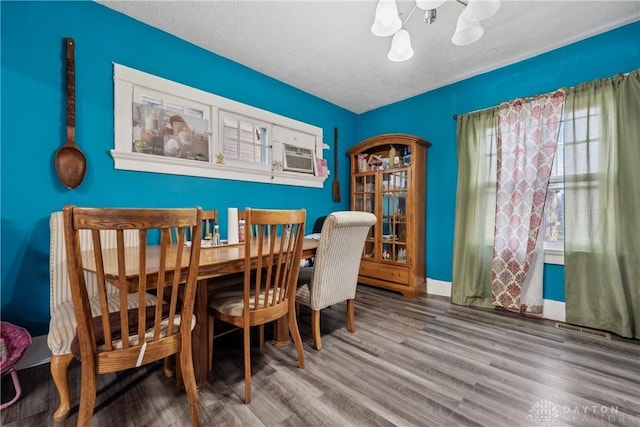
<point>175,166</point>
<point>554,256</point>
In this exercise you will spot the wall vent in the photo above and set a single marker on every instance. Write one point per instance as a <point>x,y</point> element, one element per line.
<point>585,331</point>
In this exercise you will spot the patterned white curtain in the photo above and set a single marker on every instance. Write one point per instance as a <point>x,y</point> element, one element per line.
<point>528,132</point>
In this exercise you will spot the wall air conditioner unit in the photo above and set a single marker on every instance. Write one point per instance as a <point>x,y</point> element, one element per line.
<point>298,159</point>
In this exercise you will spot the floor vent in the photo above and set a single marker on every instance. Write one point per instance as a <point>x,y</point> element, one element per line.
<point>586,331</point>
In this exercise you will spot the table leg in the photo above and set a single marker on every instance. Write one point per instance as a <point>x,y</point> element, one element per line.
<point>281,331</point>
<point>200,335</point>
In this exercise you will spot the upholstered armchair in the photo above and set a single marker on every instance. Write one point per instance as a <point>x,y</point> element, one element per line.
<point>334,276</point>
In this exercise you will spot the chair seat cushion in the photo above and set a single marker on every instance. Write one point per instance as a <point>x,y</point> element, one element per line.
<point>303,295</point>
<point>232,302</point>
<point>305,284</point>
<point>116,331</point>
<point>62,326</point>
<point>305,277</point>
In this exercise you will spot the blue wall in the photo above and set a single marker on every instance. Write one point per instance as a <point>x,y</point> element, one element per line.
<point>33,118</point>
<point>32,130</point>
<point>430,116</point>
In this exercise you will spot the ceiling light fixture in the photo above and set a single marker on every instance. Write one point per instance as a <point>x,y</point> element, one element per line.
<point>468,30</point>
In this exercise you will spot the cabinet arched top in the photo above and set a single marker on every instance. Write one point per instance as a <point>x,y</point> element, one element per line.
<point>387,139</point>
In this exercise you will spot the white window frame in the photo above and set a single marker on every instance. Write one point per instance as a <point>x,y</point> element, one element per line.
<point>129,82</point>
<point>554,251</point>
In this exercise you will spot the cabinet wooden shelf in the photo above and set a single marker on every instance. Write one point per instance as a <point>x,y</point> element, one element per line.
<point>394,189</point>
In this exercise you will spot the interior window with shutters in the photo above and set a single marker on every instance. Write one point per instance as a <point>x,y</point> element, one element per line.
<point>244,139</point>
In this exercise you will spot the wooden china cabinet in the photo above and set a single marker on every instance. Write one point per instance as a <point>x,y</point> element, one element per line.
<point>388,179</point>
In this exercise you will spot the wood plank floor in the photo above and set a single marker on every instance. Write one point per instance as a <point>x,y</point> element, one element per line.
<point>422,362</point>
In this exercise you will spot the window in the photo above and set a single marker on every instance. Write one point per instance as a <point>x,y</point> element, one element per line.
<point>579,136</point>
<point>165,127</point>
<point>178,128</point>
<point>491,165</point>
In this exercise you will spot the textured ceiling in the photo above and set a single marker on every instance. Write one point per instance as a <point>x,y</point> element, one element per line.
<point>326,47</point>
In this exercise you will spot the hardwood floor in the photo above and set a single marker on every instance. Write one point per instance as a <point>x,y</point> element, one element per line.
<point>422,362</point>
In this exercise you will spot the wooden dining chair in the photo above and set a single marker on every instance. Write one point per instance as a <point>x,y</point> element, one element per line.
<point>271,267</point>
<point>209,220</point>
<point>334,275</point>
<point>62,323</point>
<point>115,341</point>
<point>250,230</point>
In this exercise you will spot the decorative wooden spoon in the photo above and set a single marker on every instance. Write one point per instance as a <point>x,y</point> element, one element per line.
<point>71,163</point>
<point>336,183</point>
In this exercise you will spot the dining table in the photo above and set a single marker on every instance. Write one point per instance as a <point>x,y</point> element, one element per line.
<point>216,262</point>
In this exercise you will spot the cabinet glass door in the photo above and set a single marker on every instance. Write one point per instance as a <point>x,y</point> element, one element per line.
<point>364,199</point>
<point>394,216</point>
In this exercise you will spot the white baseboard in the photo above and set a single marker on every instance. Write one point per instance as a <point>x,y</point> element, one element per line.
<point>552,310</point>
<point>438,287</point>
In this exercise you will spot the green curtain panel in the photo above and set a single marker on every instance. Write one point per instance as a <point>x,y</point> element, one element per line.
<point>475,209</point>
<point>602,204</point>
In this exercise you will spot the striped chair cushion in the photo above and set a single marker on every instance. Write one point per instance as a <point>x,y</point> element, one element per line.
<point>114,320</point>
<point>305,282</point>
<point>62,327</point>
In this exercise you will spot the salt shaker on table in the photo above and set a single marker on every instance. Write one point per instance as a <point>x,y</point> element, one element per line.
<point>241,231</point>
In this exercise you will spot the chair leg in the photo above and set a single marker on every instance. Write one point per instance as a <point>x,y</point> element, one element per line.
<point>60,374</point>
<point>168,370</point>
<point>351,315</point>
<point>88,381</point>
<point>297,339</point>
<point>179,371</point>
<point>315,329</point>
<point>246,335</point>
<point>261,332</point>
<point>189,377</point>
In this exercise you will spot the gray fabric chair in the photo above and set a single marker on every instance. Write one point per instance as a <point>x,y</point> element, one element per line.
<point>334,276</point>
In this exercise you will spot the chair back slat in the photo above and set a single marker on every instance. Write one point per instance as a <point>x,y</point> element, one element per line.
<point>175,279</point>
